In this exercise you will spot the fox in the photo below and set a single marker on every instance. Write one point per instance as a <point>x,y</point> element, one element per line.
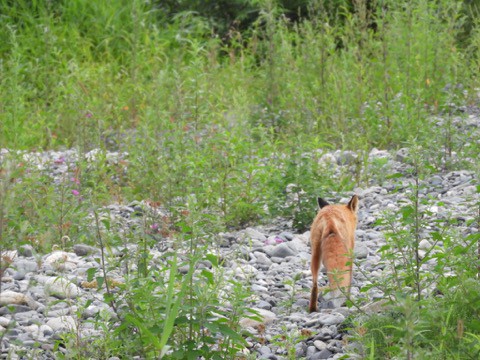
<point>332,239</point>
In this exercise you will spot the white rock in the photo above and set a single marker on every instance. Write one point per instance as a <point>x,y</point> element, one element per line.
<point>61,288</point>
<point>46,329</point>
<point>266,317</point>
<point>424,245</point>
<point>299,243</point>
<point>361,250</point>
<point>251,233</point>
<point>14,298</point>
<point>61,260</point>
<point>4,321</point>
<point>320,345</point>
<point>34,330</point>
<point>62,324</point>
<point>331,319</point>
<point>244,271</point>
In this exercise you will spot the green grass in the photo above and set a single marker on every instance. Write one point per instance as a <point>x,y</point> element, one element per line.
<point>219,126</point>
<point>202,114</point>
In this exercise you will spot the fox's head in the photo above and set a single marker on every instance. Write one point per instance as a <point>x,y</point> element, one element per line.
<point>352,204</point>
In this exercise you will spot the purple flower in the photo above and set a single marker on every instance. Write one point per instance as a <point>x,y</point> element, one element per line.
<point>272,240</point>
<point>60,160</point>
<point>75,180</point>
<point>88,114</point>
<point>75,192</point>
<point>154,226</point>
<point>279,240</point>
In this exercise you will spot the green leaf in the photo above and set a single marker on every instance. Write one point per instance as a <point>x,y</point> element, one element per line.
<point>173,305</point>
<point>407,212</point>
<point>213,259</point>
<point>152,338</point>
<point>227,331</point>
<point>208,275</point>
<point>395,176</point>
<point>106,223</point>
<point>91,273</point>
<point>474,325</point>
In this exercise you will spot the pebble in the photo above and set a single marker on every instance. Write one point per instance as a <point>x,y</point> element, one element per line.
<point>61,288</point>
<point>281,251</point>
<point>361,250</point>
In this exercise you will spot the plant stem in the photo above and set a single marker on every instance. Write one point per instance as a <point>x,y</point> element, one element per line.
<point>417,234</point>
<point>102,252</point>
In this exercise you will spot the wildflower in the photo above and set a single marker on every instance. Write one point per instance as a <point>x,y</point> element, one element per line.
<point>272,240</point>
<point>125,108</point>
<point>75,180</point>
<point>279,240</point>
<point>60,160</point>
<point>88,114</point>
<point>75,192</point>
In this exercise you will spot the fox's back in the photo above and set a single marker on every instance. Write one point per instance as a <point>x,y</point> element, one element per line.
<point>335,220</point>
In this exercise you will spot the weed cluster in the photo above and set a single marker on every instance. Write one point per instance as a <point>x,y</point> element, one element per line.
<point>233,130</point>
<point>430,292</point>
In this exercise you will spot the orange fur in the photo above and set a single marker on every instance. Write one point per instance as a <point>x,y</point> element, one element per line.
<point>332,238</point>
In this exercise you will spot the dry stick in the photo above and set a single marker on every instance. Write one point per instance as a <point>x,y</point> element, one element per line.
<point>102,250</point>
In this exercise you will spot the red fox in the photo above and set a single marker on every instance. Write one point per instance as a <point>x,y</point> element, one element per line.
<point>332,237</point>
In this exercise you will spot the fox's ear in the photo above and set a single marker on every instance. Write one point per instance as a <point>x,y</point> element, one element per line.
<point>353,204</point>
<point>322,203</point>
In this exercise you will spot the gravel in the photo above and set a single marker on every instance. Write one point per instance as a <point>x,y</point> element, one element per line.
<point>46,295</point>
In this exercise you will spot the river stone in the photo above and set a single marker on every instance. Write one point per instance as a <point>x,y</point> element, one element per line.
<point>25,250</point>
<point>286,235</point>
<point>253,234</point>
<point>84,250</point>
<point>14,309</point>
<point>262,259</point>
<point>62,324</point>
<point>361,250</point>
<point>281,251</point>
<point>59,260</point>
<point>329,319</point>
<point>311,350</point>
<point>5,322</point>
<point>266,317</point>
<point>26,266</point>
<point>300,350</point>
<point>424,245</point>
<point>324,354</point>
<point>61,288</point>
<point>320,345</point>
<point>15,298</point>
<point>245,270</point>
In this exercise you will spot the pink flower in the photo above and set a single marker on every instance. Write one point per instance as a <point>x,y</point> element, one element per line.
<point>279,240</point>
<point>154,226</point>
<point>272,240</point>
<point>60,160</point>
<point>88,114</point>
<point>75,180</point>
<point>75,192</point>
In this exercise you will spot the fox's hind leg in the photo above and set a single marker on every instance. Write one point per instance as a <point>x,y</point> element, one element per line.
<point>315,267</point>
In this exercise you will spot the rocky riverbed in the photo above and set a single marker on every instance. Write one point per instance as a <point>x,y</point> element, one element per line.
<point>46,295</point>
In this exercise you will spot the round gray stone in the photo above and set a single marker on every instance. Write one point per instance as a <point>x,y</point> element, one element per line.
<point>282,251</point>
